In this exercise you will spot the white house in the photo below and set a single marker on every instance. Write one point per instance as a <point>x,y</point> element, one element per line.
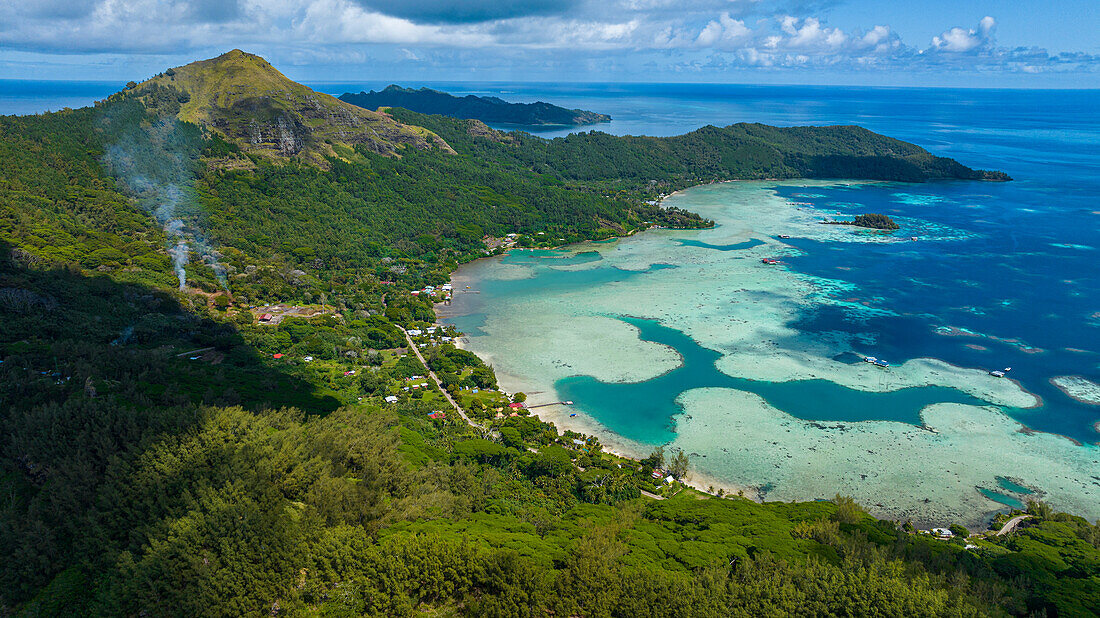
<point>391,399</point>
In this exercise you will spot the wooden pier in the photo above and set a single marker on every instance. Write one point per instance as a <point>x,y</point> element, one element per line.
<point>554,403</point>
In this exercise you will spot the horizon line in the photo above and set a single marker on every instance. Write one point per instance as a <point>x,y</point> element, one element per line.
<point>631,83</point>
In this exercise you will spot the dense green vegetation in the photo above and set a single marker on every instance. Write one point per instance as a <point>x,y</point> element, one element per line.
<point>431,207</point>
<point>875,221</point>
<point>166,452</point>
<point>485,109</point>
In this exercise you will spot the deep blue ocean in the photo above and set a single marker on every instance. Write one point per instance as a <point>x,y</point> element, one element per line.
<point>1021,291</point>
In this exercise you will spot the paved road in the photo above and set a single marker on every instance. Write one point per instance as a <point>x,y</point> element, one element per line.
<point>435,378</point>
<point>1011,524</point>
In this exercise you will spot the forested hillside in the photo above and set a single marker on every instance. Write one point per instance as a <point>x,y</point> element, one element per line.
<point>262,440</point>
<point>92,187</point>
<point>743,151</point>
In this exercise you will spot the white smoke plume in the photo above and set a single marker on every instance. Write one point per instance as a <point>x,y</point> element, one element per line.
<point>155,161</point>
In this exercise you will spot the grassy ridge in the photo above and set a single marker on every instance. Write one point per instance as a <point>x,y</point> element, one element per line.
<point>250,102</point>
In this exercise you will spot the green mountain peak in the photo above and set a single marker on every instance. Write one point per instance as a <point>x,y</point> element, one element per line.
<point>246,99</point>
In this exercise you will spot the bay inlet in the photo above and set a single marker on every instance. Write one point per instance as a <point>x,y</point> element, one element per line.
<point>686,338</point>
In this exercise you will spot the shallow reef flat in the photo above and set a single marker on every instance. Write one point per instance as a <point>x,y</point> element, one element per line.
<point>1080,388</point>
<point>601,315</point>
<point>790,365</point>
<point>931,476</point>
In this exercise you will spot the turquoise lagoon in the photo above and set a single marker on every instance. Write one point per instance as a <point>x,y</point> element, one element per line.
<point>686,339</point>
<point>639,411</point>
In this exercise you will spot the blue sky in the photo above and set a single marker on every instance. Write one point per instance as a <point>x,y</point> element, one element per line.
<point>971,43</point>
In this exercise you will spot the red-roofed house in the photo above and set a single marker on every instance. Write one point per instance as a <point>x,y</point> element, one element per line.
<point>278,356</point>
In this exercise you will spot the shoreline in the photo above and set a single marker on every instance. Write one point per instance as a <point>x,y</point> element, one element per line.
<point>701,481</point>
<point>610,442</point>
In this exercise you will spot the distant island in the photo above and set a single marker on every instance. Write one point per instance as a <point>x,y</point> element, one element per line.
<point>470,107</point>
<point>871,220</point>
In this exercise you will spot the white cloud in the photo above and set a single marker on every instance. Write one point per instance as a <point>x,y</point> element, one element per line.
<point>724,30</point>
<point>808,33</point>
<point>706,35</point>
<point>963,40</point>
<point>875,36</point>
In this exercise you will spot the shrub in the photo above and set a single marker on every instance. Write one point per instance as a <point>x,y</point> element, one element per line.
<point>959,530</point>
<point>847,511</point>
